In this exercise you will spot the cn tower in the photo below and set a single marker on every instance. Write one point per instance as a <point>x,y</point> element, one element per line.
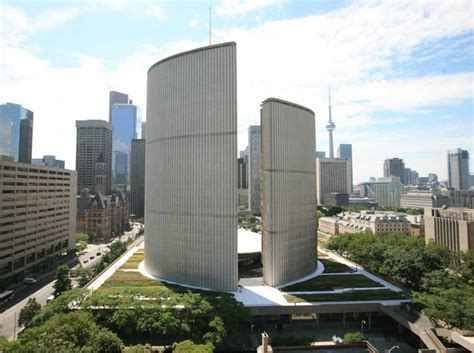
<point>330,126</point>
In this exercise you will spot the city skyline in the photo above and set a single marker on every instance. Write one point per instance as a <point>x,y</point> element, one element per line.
<point>430,74</point>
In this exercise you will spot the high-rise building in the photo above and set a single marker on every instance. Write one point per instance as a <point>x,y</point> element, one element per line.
<point>320,154</point>
<point>191,171</point>
<point>330,126</point>
<point>244,154</point>
<point>38,214</point>
<point>93,138</point>
<point>143,130</point>
<point>452,227</point>
<point>432,178</point>
<point>16,132</point>
<point>388,191</point>
<point>414,177</point>
<point>458,169</point>
<point>241,174</point>
<point>394,167</point>
<point>126,123</point>
<point>408,177</point>
<point>116,98</point>
<point>288,192</point>
<point>49,161</point>
<point>345,151</point>
<point>331,177</point>
<point>137,178</point>
<point>255,169</point>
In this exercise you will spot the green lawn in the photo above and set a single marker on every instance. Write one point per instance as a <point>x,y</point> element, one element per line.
<point>331,266</point>
<point>134,260</point>
<point>331,282</point>
<point>135,284</point>
<point>364,295</point>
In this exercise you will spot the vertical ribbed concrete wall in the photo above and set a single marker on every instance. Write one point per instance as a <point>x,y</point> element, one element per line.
<point>191,174</point>
<point>288,192</point>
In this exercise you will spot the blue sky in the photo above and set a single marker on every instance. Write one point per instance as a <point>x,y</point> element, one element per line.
<point>401,73</point>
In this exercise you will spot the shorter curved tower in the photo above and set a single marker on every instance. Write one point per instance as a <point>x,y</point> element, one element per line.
<point>288,192</point>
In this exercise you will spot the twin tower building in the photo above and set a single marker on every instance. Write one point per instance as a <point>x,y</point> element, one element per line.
<point>191,176</point>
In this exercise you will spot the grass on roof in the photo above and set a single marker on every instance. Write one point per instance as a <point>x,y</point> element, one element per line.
<point>361,295</point>
<point>332,266</point>
<point>134,260</point>
<point>331,282</point>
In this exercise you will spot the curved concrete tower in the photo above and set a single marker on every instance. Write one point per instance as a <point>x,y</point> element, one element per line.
<point>191,169</point>
<point>288,192</point>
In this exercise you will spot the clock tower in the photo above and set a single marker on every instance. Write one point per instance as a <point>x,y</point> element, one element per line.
<point>100,175</point>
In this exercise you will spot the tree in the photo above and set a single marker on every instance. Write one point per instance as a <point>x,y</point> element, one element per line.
<point>189,347</point>
<point>63,282</point>
<point>70,332</point>
<point>352,337</point>
<point>218,333</point>
<point>84,275</point>
<point>27,313</point>
<point>82,237</point>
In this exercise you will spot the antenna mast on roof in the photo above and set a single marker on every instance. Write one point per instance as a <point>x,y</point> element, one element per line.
<point>210,22</point>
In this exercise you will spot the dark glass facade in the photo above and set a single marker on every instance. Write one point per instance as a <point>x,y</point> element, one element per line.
<point>16,132</point>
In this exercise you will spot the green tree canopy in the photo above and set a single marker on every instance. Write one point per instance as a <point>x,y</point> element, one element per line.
<point>27,313</point>
<point>190,347</point>
<point>63,282</point>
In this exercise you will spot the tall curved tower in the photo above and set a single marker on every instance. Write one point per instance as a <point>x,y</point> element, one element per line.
<point>191,169</point>
<point>330,126</point>
<point>288,192</point>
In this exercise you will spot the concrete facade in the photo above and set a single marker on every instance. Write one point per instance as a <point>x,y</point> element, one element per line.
<point>37,214</point>
<point>458,169</point>
<point>453,227</point>
<point>289,222</point>
<point>394,167</point>
<point>331,176</point>
<point>191,171</point>
<point>255,169</point>
<point>423,198</point>
<point>93,138</point>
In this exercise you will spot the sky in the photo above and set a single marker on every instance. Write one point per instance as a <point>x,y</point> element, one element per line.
<point>401,73</point>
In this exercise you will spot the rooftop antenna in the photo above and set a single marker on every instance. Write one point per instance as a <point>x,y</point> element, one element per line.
<point>210,21</point>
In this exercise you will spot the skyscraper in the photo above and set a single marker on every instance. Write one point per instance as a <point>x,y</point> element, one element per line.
<point>394,167</point>
<point>137,177</point>
<point>116,98</point>
<point>288,192</point>
<point>330,126</point>
<point>16,132</point>
<point>143,130</point>
<point>126,123</point>
<point>408,176</point>
<point>458,169</point>
<point>191,171</point>
<point>241,173</point>
<point>93,138</point>
<point>255,166</point>
<point>344,151</point>
<point>331,177</point>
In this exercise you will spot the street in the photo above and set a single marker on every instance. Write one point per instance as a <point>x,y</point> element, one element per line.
<point>7,318</point>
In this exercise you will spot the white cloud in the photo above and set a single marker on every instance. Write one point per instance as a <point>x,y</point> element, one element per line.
<point>229,8</point>
<point>352,50</point>
<point>194,22</point>
<point>54,18</point>
<point>156,11</point>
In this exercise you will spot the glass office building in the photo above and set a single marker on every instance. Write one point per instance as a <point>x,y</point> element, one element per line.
<point>16,132</point>
<point>126,123</point>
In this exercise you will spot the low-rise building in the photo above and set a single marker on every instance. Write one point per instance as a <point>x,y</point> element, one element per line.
<point>419,199</point>
<point>102,216</point>
<point>453,227</point>
<point>378,223</point>
<point>37,215</point>
<point>328,225</point>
